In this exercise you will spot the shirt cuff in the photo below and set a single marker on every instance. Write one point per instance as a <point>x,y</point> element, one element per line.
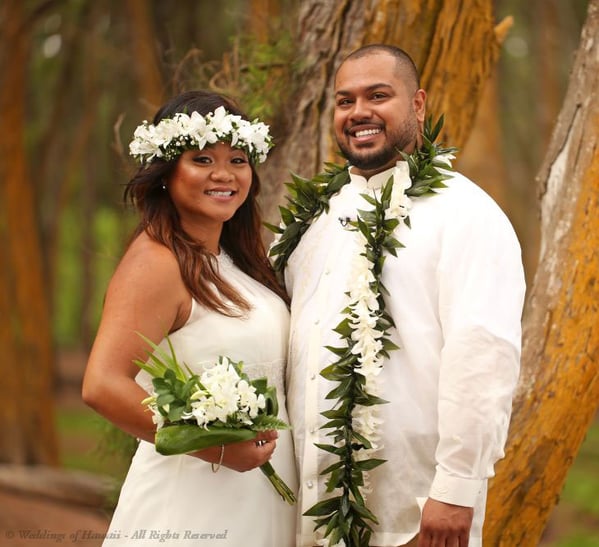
<point>455,490</point>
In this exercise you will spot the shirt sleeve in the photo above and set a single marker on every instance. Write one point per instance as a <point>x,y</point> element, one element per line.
<point>481,294</point>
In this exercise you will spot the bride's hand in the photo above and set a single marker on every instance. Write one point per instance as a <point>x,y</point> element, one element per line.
<point>242,456</point>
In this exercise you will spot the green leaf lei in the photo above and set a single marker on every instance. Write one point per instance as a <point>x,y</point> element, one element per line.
<point>346,516</point>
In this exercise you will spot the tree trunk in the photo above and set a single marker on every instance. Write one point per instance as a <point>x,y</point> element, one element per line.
<point>27,434</point>
<point>145,57</point>
<point>454,71</point>
<point>559,386</point>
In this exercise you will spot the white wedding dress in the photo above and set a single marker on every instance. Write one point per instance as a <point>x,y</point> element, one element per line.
<point>178,500</point>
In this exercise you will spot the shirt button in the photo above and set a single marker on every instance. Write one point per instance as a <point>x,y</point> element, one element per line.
<point>313,377</point>
<point>317,322</point>
<point>310,484</point>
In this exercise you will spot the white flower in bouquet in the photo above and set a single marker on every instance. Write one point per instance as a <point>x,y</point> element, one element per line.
<point>221,405</point>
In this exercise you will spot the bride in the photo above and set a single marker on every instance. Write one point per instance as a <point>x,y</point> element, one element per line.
<point>195,270</point>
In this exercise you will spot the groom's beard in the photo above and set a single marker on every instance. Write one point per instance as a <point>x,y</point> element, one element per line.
<point>400,140</point>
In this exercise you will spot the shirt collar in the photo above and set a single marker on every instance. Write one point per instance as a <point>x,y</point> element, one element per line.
<point>374,182</point>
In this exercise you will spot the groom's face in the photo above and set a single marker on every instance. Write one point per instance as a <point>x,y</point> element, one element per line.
<point>377,112</point>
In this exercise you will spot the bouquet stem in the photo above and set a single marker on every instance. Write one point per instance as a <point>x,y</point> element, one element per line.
<point>285,492</point>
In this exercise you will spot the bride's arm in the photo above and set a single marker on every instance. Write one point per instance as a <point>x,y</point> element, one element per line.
<point>146,295</point>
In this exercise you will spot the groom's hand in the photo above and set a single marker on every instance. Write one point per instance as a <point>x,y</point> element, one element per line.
<point>444,524</point>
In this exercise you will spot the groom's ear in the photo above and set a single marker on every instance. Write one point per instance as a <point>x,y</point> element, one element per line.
<point>419,107</point>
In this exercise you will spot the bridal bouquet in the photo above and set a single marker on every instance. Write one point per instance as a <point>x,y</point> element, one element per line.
<point>220,406</point>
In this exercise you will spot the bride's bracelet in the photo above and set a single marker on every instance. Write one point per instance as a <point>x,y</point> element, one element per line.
<point>220,460</point>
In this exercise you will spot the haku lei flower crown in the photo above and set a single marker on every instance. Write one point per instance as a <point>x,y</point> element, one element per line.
<point>172,136</point>
<point>352,421</point>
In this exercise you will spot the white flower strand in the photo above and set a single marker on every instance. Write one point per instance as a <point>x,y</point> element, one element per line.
<point>367,347</point>
<point>171,136</point>
<point>363,320</point>
<point>400,203</point>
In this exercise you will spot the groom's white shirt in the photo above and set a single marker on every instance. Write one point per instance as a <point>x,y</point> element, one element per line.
<point>456,296</point>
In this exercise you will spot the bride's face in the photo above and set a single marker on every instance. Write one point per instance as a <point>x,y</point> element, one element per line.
<point>208,186</point>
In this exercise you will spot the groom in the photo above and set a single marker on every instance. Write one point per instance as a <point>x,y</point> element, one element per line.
<point>455,295</point>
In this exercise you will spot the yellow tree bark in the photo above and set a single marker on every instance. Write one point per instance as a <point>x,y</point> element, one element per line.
<point>260,12</point>
<point>453,43</point>
<point>27,433</point>
<point>559,387</point>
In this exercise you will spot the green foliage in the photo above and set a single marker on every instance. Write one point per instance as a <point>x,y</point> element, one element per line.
<point>255,72</point>
<point>579,540</point>
<point>109,230</point>
<point>89,443</point>
<point>582,485</point>
<point>575,520</point>
<point>266,70</point>
<point>67,300</point>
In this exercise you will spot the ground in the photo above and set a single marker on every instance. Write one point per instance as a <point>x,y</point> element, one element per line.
<point>35,520</point>
<point>46,507</point>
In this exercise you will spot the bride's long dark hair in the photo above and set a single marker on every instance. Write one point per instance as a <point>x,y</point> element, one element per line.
<point>241,236</point>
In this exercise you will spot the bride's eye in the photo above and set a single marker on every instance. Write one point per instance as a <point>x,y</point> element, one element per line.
<point>202,159</point>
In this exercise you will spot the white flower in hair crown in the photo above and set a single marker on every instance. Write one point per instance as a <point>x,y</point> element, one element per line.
<point>172,136</point>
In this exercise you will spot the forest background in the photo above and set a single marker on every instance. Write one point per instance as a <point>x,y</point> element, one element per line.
<point>94,70</point>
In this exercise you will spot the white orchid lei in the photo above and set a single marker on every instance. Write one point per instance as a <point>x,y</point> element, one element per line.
<point>353,422</point>
<point>172,136</point>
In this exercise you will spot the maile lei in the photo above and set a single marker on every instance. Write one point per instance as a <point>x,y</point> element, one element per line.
<point>364,330</point>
